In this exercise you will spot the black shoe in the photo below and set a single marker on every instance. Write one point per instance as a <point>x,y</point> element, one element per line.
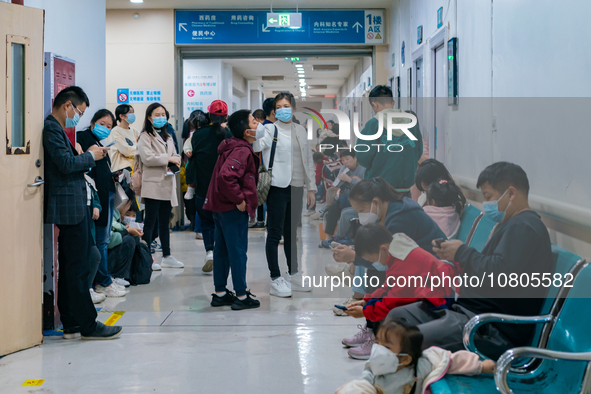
<point>226,299</point>
<point>104,332</point>
<point>247,303</point>
<point>72,332</point>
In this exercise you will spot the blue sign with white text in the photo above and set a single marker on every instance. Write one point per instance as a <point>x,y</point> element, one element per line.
<point>250,27</point>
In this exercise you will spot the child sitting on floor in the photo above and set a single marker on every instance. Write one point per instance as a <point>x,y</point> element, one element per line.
<point>401,258</point>
<point>398,366</point>
<point>444,205</point>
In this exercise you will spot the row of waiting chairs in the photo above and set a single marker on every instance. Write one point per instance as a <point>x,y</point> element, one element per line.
<point>559,358</point>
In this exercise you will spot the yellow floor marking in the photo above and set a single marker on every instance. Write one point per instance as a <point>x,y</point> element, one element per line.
<point>114,317</point>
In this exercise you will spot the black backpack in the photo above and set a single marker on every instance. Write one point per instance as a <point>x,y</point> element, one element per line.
<point>141,265</point>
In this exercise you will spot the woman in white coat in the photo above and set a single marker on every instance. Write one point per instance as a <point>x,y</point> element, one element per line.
<point>293,168</point>
<point>156,152</point>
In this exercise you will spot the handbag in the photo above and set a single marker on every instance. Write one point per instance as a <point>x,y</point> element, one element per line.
<point>120,195</point>
<point>266,174</point>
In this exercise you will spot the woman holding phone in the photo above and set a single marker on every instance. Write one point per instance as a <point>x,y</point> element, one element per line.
<point>158,160</point>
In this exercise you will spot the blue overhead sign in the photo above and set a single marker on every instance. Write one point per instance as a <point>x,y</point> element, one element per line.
<point>251,27</point>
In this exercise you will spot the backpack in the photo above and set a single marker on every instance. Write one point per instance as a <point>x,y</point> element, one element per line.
<point>141,265</point>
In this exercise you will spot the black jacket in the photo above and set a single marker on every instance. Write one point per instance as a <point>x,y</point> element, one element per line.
<point>66,196</point>
<point>520,245</point>
<point>101,174</point>
<point>205,144</point>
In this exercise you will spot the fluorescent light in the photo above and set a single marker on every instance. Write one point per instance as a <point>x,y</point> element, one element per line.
<point>300,65</point>
<point>301,72</point>
<point>303,94</point>
<point>137,1</point>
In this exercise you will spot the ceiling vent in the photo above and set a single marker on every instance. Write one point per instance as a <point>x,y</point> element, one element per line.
<point>325,67</point>
<point>273,78</point>
<point>317,86</point>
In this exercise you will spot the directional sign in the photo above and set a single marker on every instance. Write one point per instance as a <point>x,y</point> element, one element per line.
<point>195,27</point>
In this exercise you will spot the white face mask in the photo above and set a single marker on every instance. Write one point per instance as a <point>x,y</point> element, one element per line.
<point>260,131</point>
<point>369,217</point>
<point>383,360</point>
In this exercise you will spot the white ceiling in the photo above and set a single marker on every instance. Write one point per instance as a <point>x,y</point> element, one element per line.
<point>250,4</point>
<point>255,69</point>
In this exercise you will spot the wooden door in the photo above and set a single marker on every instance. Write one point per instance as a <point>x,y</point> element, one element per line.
<point>21,171</point>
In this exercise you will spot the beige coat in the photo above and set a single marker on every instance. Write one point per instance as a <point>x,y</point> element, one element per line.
<point>123,153</point>
<point>153,155</point>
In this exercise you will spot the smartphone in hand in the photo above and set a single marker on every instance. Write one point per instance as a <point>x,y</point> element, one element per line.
<point>341,307</point>
<point>439,241</point>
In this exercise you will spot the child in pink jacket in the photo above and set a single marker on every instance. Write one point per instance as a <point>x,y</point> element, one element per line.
<point>398,365</point>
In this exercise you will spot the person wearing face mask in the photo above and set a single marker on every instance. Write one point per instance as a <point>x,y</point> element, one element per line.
<point>398,365</point>
<point>397,256</point>
<point>67,205</point>
<point>232,197</point>
<point>375,201</point>
<point>293,168</point>
<point>519,245</point>
<point>100,127</point>
<point>122,154</point>
<point>155,155</point>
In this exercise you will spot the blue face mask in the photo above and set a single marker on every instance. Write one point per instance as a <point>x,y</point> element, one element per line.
<point>283,114</point>
<point>491,209</point>
<point>72,122</point>
<point>101,132</point>
<point>130,118</point>
<point>379,266</point>
<point>159,122</point>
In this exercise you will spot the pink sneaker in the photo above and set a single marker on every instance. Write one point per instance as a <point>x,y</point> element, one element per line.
<point>364,351</point>
<point>358,339</point>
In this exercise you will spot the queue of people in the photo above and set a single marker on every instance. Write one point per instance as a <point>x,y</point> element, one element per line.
<point>373,227</point>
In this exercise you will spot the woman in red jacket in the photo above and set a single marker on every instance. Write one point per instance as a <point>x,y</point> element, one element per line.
<point>232,197</point>
<point>408,271</point>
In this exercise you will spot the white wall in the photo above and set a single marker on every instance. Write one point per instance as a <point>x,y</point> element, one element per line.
<point>76,29</point>
<point>516,52</point>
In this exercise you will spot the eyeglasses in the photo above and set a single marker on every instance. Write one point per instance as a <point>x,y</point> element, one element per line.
<point>80,113</point>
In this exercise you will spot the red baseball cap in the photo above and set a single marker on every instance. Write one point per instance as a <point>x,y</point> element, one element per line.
<point>218,107</point>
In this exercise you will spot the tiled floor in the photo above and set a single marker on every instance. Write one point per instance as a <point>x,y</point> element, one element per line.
<point>174,342</point>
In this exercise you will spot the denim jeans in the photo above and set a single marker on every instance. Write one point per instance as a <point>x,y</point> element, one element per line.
<point>284,209</point>
<point>103,237</point>
<point>207,223</point>
<point>229,253</point>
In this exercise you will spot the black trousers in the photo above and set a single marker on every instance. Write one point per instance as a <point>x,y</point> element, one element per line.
<point>73,298</point>
<point>157,210</point>
<point>284,208</point>
<point>120,257</point>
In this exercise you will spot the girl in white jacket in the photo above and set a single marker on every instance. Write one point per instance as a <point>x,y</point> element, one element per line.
<point>398,366</point>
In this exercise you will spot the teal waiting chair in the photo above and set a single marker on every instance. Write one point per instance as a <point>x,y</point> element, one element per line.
<point>482,233</point>
<point>523,367</point>
<point>468,222</point>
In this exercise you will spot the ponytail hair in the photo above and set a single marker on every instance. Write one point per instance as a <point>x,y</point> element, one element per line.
<point>446,194</point>
<point>368,189</point>
<point>216,124</point>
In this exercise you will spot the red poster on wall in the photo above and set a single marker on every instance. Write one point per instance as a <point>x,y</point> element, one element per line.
<point>64,75</point>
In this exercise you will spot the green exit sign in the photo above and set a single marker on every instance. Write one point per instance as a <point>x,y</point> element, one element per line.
<point>291,20</point>
<point>295,59</point>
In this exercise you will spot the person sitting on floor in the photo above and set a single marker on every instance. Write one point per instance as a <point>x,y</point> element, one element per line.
<point>398,365</point>
<point>520,245</point>
<point>400,257</point>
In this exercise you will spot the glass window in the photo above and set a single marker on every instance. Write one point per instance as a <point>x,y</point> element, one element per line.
<point>17,114</point>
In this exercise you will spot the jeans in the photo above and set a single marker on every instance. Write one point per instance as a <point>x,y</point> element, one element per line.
<point>207,223</point>
<point>103,237</point>
<point>73,297</point>
<point>157,210</point>
<point>282,219</point>
<point>229,253</point>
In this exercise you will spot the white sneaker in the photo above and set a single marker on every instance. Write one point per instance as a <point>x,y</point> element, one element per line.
<point>310,212</point>
<point>297,282</point>
<point>96,297</point>
<point>117,286</point>
<point>317,215</point>
<point>280,288</point>
<point>190,193</point>
<point>171,262</point>
<point>110,291</point>
<point>121,282</point>
<point>208,263</point>
<point>338,269</point>
<point>156,267</point>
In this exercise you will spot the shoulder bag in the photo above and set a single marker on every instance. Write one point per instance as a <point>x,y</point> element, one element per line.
<point>266,174</point>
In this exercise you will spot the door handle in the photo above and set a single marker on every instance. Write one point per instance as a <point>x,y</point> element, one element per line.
<point>38,182</point>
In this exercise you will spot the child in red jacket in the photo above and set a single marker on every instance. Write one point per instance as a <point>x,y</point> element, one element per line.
<point>408,272</point>
<point>232,197</point>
